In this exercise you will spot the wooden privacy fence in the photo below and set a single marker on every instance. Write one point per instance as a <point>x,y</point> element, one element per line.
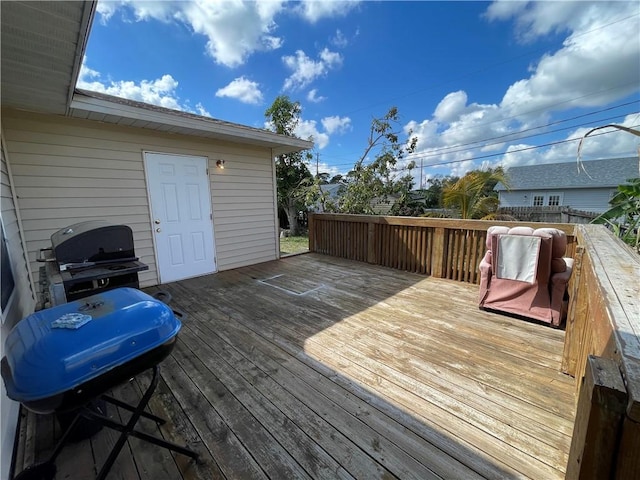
<point>443,248</point>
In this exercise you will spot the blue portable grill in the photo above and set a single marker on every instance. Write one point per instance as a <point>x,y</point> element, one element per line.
<point>60,359</point>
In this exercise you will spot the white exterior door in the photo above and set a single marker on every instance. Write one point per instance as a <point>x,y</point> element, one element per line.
<point>181,215</point>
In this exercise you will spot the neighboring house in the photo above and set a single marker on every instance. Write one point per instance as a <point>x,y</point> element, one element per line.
<point>331,193</point>
<point>69,156</point>
<point>587,186</point>
<point>383,205</point>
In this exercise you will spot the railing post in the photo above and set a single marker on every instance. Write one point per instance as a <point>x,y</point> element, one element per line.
<point>312,247</point>
<point>576,316</point>
<point>598,425</point>
<point>371,243</point>
<point>439,249</point>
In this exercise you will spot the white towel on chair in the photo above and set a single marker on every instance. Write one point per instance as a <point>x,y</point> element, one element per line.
<point>518,257</point>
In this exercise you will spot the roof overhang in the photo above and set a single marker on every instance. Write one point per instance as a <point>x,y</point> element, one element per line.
<point>119,111</point>
<point>43,44</point>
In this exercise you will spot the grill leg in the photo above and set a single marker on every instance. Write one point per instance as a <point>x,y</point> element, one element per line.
<point>126,406</point>
<point>129,429</point>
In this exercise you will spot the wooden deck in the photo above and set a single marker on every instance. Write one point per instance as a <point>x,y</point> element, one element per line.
<point>319,367</point>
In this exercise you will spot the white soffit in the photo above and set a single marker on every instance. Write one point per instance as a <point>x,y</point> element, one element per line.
<point>42,47</point>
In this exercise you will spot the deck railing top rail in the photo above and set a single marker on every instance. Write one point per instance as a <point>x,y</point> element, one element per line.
<point>479,225</point>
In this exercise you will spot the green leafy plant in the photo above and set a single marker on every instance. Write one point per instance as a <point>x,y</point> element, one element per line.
<point>472,195</point>
<point>379,178</point>
<point>624,215</point>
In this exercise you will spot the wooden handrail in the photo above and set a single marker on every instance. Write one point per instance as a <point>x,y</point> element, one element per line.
<point>440,247</point>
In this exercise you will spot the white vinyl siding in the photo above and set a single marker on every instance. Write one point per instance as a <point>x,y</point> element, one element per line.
<point>70,170</point>
<point>589,199</point>
<point>585,199</point>
<point>21,305</point>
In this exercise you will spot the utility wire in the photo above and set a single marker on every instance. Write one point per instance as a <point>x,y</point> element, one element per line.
<point>546,107</point>
<point>559,142</point>
<point>501,139</point>
<point>454,149</point>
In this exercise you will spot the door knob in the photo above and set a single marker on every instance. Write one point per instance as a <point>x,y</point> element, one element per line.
<point>157,222</point>
<point>158,230</point>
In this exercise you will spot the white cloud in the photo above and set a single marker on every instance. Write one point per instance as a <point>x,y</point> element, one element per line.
<point>611,143</point>
<point>243,89</point>
<point>305,70</point>
<point>313,96</point>
<point>336,124</point>
<point>339,40</point>
<point>161,91</point>
<point>451,106</point>
<point>308,128</point>
<point>325,168</point>
<point>201,110</point>
<point>314,10</point>
<point>595,66</point>
<point>235,29</point>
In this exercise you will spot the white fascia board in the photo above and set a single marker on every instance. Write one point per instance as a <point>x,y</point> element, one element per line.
<point>202,127</point>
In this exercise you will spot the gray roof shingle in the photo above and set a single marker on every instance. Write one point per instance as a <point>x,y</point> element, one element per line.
<point>609,172</point>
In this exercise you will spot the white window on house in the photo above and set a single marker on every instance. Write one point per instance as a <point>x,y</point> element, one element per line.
<point>538,200</point>
<point>554,200</point>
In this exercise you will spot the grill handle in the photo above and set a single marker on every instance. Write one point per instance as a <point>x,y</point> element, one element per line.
<point>42,258</point>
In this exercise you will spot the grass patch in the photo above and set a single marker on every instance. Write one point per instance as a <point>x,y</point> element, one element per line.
<point>289,245</point>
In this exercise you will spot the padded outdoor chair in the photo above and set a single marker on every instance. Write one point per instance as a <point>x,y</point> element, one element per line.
<point>524,273</point>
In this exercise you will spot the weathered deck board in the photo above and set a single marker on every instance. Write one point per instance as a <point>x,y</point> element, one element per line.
<point>338,369</point>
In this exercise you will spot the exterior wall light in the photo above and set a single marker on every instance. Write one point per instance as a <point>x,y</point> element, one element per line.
<point>220,164</point>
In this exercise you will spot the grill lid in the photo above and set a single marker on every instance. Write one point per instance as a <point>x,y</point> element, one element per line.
<point>92,241</point>
<point>43,360</point>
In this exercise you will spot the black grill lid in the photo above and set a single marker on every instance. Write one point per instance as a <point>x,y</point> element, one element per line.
<point>92,241</point>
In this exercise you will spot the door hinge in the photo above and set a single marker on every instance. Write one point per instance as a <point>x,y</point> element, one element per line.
<point>207,171</point>
<point>211,216</point>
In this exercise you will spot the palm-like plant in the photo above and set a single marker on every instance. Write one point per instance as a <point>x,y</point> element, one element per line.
<point>472,194</point>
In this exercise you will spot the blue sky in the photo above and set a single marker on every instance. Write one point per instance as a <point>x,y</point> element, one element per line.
<point>480,84</point>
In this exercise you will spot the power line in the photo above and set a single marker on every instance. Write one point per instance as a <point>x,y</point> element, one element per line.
<point>559,142</point>
<point>492,140</point>
<point>486,143</point>
<point>546,107</point>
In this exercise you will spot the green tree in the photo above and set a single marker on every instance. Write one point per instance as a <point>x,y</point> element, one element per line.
<point>433,194</point>
<point>473,195</point>
<point>292,174</point>
<point>379,178</point>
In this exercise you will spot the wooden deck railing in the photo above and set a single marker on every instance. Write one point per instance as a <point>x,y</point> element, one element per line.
<point>442,248</point>
<point>602,342</point>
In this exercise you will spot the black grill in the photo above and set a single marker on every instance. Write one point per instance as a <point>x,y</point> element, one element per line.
<point>88,258</point>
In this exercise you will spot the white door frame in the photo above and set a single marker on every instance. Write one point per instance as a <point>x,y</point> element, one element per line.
<point>151,212</point>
